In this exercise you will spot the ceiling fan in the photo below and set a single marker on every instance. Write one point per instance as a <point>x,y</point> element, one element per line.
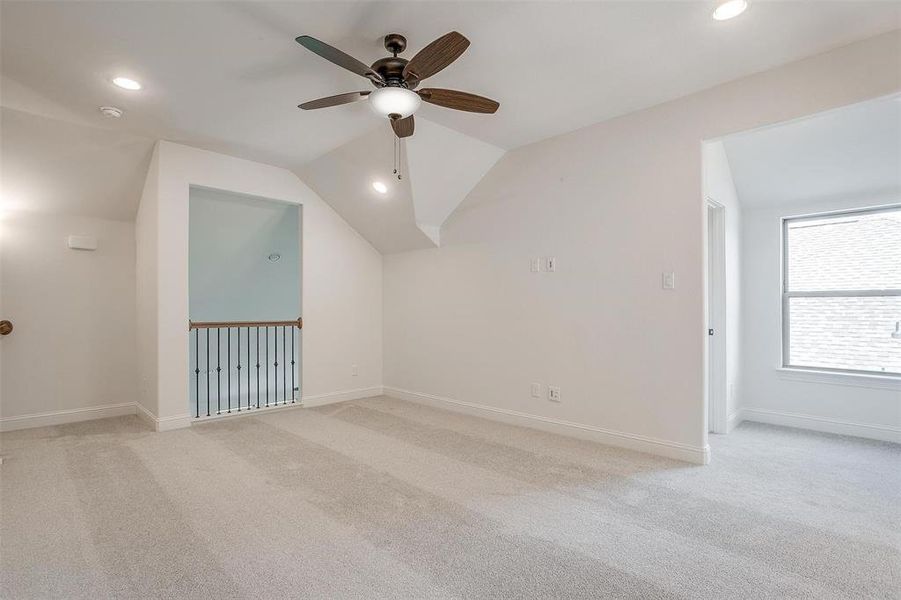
<point>395,79</point>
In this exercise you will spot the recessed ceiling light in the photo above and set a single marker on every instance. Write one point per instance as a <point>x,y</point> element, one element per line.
<point>127,84</point>
<point>380,187</point>
<point>729,9</point>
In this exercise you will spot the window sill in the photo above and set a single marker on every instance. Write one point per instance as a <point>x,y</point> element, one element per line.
<point>865,380</point>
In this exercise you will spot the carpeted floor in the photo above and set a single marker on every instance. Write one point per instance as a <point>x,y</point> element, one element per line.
<point>385,499</point>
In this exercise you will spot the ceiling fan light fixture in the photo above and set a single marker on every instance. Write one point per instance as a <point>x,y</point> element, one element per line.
<point>127,84</point>
<point>393,100</point>
<point>729,9</point>
<point>380,187</point>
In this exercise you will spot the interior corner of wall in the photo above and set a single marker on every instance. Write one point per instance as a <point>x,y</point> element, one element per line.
<point>433,232</point>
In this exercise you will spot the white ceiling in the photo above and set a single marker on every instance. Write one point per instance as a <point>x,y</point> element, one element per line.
<point>851,152</point>
<point>439,168</point>
<point>227,76</point>
<point>344,178</point>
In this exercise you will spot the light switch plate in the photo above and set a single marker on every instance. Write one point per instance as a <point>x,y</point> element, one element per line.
<point>551,264</point>
<point>536,390</point>
<point>553,393</point>
<point>535,265</point>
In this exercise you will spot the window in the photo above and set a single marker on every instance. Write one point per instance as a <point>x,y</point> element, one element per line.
<point>841,298</point>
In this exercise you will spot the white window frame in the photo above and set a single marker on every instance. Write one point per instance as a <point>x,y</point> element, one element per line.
<point>786,295</point>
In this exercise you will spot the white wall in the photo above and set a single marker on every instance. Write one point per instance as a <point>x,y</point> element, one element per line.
<point>617,204</point>
<point>71,355</point>
<point>719,187</point>
<point>146,286</point>
<point>342,281</point>
<point>230,240</point>
<point>855,405</point>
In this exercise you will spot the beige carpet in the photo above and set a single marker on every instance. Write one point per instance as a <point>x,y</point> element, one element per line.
<point>385,499</point>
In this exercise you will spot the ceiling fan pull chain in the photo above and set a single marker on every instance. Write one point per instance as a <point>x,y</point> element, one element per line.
<point>400,158</point>
<point>394,155</point>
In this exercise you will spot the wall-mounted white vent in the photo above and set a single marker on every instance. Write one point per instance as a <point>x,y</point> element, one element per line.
<point>82,242</point>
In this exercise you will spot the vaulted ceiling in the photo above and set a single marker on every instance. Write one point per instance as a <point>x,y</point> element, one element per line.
<point>227,76</point>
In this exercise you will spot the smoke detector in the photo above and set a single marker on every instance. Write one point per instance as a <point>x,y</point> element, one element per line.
<point>111,111</point>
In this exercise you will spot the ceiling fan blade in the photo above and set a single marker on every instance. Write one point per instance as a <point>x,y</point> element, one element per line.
<point>339,58</point>
<point>333,100</point>
<point>403,127</point>
<point>458,100</point>
<point>436,56</point>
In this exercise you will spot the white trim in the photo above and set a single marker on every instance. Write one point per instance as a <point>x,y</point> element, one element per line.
<point>342,396</point>
<point>303,402</point>
<point>885,433</point>
<point>715,267</point>
<point>61,417</point>
<point>165,423</point>
<point>865,380</point>
<point>734,420</point>
<point>245,412</point>
<point>787,294</point>
<point>685,452</point>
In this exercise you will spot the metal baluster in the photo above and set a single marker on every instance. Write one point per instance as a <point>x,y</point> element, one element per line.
<point>284,369</point>
<point>275,364</point>
<point>218,371</point>
<point>258,367</point>
<point>228,365</point>
<point>267,365</point>
<point>238,348</point>
<point>248,368</point>
<point>196,373</point>
<point>292,365</point>
<point>207,372</point>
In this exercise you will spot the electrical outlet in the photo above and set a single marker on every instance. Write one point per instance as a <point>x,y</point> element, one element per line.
<point>536,390</point>
<point>535,265</point>
<point>669,280</point>
<point>551,264</point>
<point>354,370</point>
<point>553,393</point>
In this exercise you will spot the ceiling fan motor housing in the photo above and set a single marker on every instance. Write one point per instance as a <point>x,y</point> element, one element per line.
<point>391,69</point>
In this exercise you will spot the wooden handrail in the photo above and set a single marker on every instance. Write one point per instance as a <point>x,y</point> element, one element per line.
<point>225,324</point>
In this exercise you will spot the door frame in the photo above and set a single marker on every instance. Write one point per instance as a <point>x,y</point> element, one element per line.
<point>715,380</point>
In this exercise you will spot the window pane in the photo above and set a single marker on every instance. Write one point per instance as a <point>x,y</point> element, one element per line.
<point>845,333</point>
<point>850,252</point>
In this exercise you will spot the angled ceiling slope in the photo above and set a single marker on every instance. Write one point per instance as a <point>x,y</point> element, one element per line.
<point>68,168</point>
<point>441,167</point>
<point>444,166</point>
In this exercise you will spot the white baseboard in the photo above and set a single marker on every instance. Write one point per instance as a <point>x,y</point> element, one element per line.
<point>61,417</point>
<point>734,420</point>
<point>885,433</point>
<point>165,423</point>
<point>342,396</point>
<point>693,454</point>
